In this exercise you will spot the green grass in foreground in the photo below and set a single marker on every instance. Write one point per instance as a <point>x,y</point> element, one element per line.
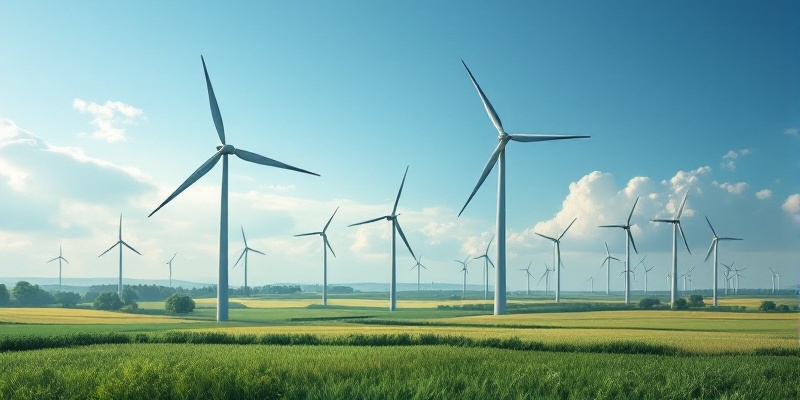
<point>158,371</point>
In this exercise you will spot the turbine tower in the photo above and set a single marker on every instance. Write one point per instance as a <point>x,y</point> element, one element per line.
<point>607,263</point>
<point>246,250</point>
<point>61,258</point>
<point>223,152</point>
<point>686,275</point>
<point>546,277</point>
<point>777,278</point>
<point>170,268</point>
<point>486,263</point>
<point>591,281</point>
<point>419,268</point>
<point>464,269</point>
<point>714,244</point>
<point>646,270</point>
<point>557,263</point>
<point>528,276</point>
<point>395,229</point>
<point>727,274</point>
<point>325,246</point>
<point>499,157</point>
<point>628,243</point>
<point>120,243</point>
<point>737,276</point>
<point>676,227</point>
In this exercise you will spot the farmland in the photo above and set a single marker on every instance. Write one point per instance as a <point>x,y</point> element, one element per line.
<point>291,348</point>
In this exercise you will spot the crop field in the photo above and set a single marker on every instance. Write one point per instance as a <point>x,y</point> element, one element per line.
<point>274,348</point>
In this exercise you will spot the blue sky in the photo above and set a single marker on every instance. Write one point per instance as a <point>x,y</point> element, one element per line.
<point>104,111</point>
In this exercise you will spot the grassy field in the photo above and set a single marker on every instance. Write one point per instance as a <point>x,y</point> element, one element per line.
<point>592,354</point>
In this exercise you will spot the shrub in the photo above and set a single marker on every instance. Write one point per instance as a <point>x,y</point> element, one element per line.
<point>130,308</point>
<point>680,304</point>
<point>31,295</point>
<point>67,299</point>
<point>768,305</point>
<point>783,308</point>
<point>129,296</point>
<point>179,304</point>
<point>647,303</point>
<point>107,301</point>
<point>5,297</point>
<point>696,300</point>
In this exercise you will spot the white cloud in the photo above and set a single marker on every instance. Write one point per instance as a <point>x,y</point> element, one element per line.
<point>792,207</point>
<point>109,118</point>
<point>764,194</point>
<point>727,159</point>
<point>791,132</point>
<point>733,188</point>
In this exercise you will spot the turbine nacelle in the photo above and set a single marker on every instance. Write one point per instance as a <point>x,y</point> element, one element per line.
<point>226,149</point>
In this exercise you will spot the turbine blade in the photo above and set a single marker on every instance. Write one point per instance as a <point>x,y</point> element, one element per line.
<point>680,229</point>
<point>173,257</point>
<point>488,245</point>
<point>486,104</point>
<point>397,200</point>
<point>712,229</point>
<point>607,252</point>
<point>630,235</point>
<point>614,258</point>
<point>565,230</point>
<point>683,204</point>
<point>546,237</point>
<point>729,238</point>
<point>490,262</point>
<point>327,243</point>
<point>259,159</point>
<point>212,99</point>
<point>65,260</point>
<point>475,258</point>
<point>520,137</point>
<point>240,257</point>
<point>120,227</point>
<point>631,214</point>
<point>109,249</point>
<point>611,226</point>
<point>403,236</point>
<point>663,220</point>
<point>367,222</point>
<point>308,234</point>
<point>709,250</point>
<point>243,237</point>
<point>207,166</point>
<point>486,170</point>
<point>129,246</point>
<point>329,220</point>
<point>256,251</point>
<point>53,260</point>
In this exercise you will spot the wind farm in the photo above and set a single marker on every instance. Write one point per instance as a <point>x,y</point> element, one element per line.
<point>673,134</point>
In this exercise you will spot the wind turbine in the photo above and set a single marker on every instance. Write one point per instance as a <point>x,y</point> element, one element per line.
<point>676,227</point>
<point>464,269</point>
<point>246,250</point>
<point>628,243</point>
<point>646,270</point>
<point>607,263</point>
<point>223,152</point>
<point>546,277</point>
<point>737,276</point>
<point>120,243</point>
<point>61,258</point>
<point>419,268</point>
<point>528,276</point>
<point>170,268</point>
<point>486,263</point>
<point>633,271</point>
<point>499,157</point>
<point>666,278</point>
<point>728,277</point>
<point>325,246</point>
<point>557,263</point>
<point>714,244</point>
<point>591,280</point>
<point>686,275</point>
<point>395,229</point>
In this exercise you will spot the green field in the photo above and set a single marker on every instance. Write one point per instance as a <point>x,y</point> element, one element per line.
<point>275,348</point>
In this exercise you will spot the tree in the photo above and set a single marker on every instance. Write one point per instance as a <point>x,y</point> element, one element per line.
<point>129,296</point>
<point>31,295</point>
<point>107,301</point>
<point>67,299</point>
<point>680,304</point>
<point>5,297</point>
<point>648,302</point>
<point>179,304</point>
<point>696,300</point>
<point>768,305</point>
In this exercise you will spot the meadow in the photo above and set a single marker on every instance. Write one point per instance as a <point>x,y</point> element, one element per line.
<point>355,348</point>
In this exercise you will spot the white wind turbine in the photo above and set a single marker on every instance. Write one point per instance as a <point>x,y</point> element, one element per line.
<point>499,156</point>
<point>728,277</point>
<point>686,275</point>
<point>528,276</point>
<point>714,244</point>
<point>464,269</point>
<point>246,250</point>
<point>170,268</point>
<point>737,276</point>
<point>395,229</point>
<point>546,277</point>
<point>646,270</point>
<point>557,262</point>
<point>676,227</point>
<point>223,152</point>
<point>419,268</point>
<point>775,276</point>
<point>591,281</point>
<point>61,258</point>
<point>120,243</point>
<point>607,263</point>
<point>628,243</point>
<point>325,246</point>
<point>486,263</point>
<point>666,278</point>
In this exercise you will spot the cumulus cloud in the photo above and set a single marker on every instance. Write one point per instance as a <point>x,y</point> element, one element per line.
<point>764,194</point>
<point>790,132</point>
<point>733,188</point>
<point>109,118</point>
<point>792,207</point>
<point>728,159</point>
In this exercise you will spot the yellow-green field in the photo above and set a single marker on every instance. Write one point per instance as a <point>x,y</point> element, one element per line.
<point>71,316</point>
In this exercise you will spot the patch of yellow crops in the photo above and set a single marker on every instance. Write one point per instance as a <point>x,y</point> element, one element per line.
<point>752,303</point>
<point>69,316</point>
<point>696,342</point>
<point>376,303</point>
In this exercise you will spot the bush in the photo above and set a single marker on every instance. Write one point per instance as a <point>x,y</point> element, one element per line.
<point>696,300</point>
<point>108,301</point>
<point>768,305</point>
<point>783,308</point>
<point>5,297</point>
<point>129,296</point>
<point>130,308</point>
<point>179,304</point>
<point>648,302</point>
<point>680,304</point>
<point>67,299</point>
<point>31,295</point>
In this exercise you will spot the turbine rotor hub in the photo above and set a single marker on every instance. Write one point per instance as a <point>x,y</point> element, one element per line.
<point>226,149</point>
